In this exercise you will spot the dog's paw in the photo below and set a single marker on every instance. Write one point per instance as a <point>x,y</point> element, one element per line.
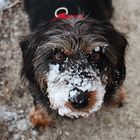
<point>40,118</point>
<point>120,98</point>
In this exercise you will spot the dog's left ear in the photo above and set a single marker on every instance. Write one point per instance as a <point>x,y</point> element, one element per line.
<point>118,42</point>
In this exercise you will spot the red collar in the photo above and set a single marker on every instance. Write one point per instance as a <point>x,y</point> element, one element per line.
<point>65,16</point>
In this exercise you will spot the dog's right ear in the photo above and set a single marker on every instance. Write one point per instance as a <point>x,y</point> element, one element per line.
<point>27,57</point>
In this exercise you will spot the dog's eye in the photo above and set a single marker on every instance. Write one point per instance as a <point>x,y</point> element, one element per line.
<point>59,57</point>
<point>95,57</point>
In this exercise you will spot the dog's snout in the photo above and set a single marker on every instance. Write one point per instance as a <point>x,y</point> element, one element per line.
<point>80,101</point>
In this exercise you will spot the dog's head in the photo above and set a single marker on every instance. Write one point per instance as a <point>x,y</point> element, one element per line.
<point>76,63</point>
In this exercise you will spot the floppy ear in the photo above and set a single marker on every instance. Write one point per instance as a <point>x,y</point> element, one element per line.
<point>119,44</point>
<point>120,72</point>
<point>27,57</point>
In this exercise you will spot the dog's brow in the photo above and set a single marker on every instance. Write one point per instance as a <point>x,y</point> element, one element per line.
<point>97,47</point>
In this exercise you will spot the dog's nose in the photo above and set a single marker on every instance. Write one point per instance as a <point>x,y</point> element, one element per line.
<point>80,101</point>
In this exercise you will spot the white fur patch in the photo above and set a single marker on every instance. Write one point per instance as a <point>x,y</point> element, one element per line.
<point>61,85</point>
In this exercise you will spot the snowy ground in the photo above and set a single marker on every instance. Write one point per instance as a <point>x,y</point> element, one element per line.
<point>15,101</point>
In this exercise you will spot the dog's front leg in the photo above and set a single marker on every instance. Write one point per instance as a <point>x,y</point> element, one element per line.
<point>116,99</point>
<point>120,98</point>
<point>39,115</point>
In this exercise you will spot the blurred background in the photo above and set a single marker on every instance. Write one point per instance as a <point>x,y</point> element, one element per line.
<point>16,102</point>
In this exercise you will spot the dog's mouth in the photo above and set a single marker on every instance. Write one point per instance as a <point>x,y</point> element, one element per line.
<point>73,95</point>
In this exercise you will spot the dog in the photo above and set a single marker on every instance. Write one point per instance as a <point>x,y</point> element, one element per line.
<point>74,59</point>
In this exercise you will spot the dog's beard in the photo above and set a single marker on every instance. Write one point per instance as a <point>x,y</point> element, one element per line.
<point>62,85</point>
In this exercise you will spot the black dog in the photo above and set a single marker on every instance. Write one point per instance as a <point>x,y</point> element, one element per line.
<point>73,58</point>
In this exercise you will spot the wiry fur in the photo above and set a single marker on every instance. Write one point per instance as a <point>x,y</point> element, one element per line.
<point>73,36</point>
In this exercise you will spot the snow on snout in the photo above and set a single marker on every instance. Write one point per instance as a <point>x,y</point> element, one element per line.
<point>61,86</point>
